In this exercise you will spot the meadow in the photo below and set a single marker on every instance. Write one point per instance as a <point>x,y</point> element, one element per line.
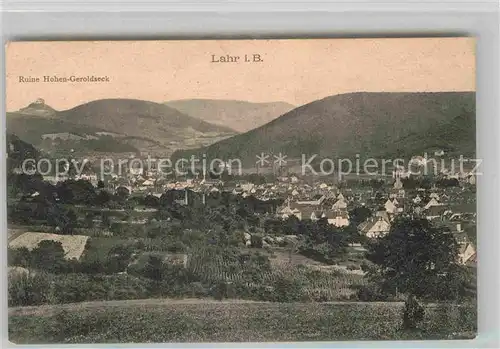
<point>211,321</point>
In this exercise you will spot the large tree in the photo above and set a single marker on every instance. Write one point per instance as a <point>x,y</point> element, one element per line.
<point>420,260</point>
<point>415,258</point>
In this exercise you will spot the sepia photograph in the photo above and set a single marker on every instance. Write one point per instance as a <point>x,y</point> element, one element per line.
<point>278,190</point>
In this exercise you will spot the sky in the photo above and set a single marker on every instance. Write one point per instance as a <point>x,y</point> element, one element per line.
<point>295,71</point>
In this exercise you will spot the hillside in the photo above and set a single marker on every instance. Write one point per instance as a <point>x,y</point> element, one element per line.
<point>138,118</point>
<point>57,135</point>
<point>241,116</point>
<point>30,128</point>
<point>18,151</point>
<point>369,124</point>
<point>455,137</point>
<point>120,125</point>
<point>38,108</point>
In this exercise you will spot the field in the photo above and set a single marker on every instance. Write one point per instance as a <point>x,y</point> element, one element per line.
<point>157,320</point>
<point>319,281</point>
<point>14,234</point>
<point>73,245</point>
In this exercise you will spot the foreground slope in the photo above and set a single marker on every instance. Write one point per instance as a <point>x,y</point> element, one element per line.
<point>231,321</point>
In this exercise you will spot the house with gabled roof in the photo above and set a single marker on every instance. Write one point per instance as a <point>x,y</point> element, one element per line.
<point>466,252</point>
<point>374,227</point>
<point>316,200</point>
<point>339,205</point>
<point>384,215</point>
<point>338,218</point>
<point>435,212</point>
<point>432,202</point>
<point>390,207</point>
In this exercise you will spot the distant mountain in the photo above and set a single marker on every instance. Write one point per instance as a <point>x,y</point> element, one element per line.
<point>138,118</point>
<point>369,124</point>
<point>455,137</point>
<point>239,115</point>
<point>140,124</point>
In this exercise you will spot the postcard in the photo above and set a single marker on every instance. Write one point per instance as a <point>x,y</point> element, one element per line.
<point>241,190</point>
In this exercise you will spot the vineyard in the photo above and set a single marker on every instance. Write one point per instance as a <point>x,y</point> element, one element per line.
<point>212,264</point>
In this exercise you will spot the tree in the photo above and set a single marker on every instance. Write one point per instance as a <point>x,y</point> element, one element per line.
<point>64,220</point>
<point>122,193</point>
<point>71,222</point>
<point>413,313</point>
<point>103,197</point>
<point>413,254</point>
<point>105,220</point>
<point>119,258</point>
<point>220,290</point>
<point>415,258</point>
<point>154,269</point>
<point>77,192</point>
<point>359,215</point>
<point>49,255</point>
<point>19,257</point>
<point>89,220</point>
<point>151,201</point>
<point>256,241</point>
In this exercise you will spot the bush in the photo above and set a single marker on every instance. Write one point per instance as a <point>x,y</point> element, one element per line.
<point>353,267</point>
<point>26,289</point>
<point>287,289</point>
<point>371,293</point>
<point>19,257</point>
<point>256,241</point>
<point>219,291</point>
<point>198,290</point>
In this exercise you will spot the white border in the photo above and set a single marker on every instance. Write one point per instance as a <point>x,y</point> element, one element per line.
<point>64,20</point>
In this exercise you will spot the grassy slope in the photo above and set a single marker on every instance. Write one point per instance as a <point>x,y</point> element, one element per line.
<point>233,321</point>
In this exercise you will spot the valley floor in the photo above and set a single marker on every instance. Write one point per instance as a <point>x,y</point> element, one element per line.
<point>200,320</point>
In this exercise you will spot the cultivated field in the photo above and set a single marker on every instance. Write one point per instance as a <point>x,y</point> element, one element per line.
<point>14,234</point>
<point>210,321</point>
<point>73,245</point>
<point>319,281</point>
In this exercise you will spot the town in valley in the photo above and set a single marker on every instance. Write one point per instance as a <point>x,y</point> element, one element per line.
<point>105,246</point>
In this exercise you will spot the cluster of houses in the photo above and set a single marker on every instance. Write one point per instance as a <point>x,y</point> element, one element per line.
<point>314,200</point>
<point>445,207</point>
<point>449,207</point>
<point>315,209</point>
